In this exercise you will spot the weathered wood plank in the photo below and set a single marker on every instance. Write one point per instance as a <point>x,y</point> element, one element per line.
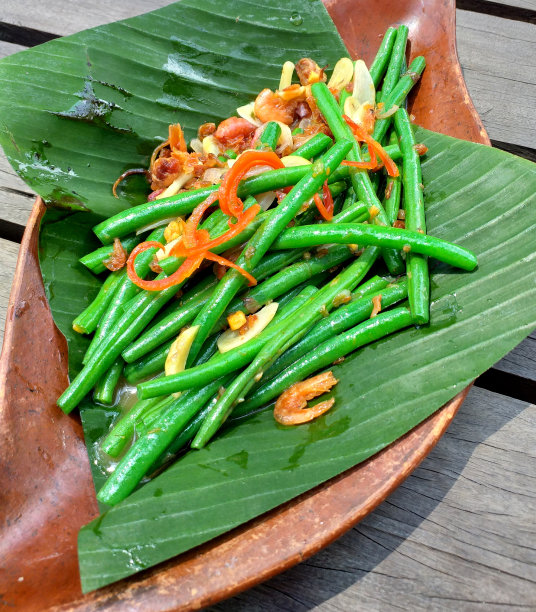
<point>522,360</point>
<point>459,534</point>
<point>9,251</point>
<point>498,57</point>
<point>61,17</point>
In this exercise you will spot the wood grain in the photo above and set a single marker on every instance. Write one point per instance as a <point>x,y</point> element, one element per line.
<point>498,58</point>
<point>459,534</point>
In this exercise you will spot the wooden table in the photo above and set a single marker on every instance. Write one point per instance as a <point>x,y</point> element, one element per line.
<point>460,533</point>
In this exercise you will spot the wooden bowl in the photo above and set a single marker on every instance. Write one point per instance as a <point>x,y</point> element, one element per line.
<point>45,477</point>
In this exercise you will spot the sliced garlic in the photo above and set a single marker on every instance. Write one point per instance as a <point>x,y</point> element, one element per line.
<point>196,145</point>
<point>247,112</point>
<point>154,225</point>
<point>210,146</point>
<point>178,351</point>
<point>342,74</point>
<point>174,188</point>
<point>257,322</point>
<point>364,90</point>
<point>286,75</point>
<point>285,138</point>
<point>290,161</point>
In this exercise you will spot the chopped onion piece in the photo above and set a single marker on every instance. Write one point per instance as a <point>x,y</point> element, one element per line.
<point>196,145</point>
<point>213,175</point>
<point>174,188</point>
<point>210,146</point>
<point>154,225</point>
<point>256,324</point>
<point>286,75</point>
<point>265,200</point>
<point>289,161</point>
<point>247,112</point>
<point>178,351</point>
<point>342,74</point>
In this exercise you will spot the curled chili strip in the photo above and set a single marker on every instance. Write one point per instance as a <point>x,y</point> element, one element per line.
<point>325,207</point>
<point>230,204</point>
<point>230,264</point>
<point>202,246</point>
<point>374,147</point>
<point>188,267</point>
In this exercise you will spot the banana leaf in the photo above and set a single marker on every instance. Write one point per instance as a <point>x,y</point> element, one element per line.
<point>81,110</point>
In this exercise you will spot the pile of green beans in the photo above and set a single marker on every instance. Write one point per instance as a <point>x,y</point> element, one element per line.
<point>332,292</point>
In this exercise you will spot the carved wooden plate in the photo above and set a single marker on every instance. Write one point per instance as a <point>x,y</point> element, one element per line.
<point>45,481</point>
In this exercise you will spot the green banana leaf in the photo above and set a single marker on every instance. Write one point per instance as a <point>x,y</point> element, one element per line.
<point>197,61</point>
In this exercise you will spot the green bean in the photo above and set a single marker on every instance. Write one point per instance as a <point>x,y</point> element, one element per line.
<point>284,311</point>
<point>144,214</point>
<point>95,260</point>
<point>221,363</point>
<point>87,321</point>
<point>378,66</point>
<point>230,154</point>
<point>154,362</point>
<point>417,265</point>
<point>338,321</point>
<point>395,62</point>
<point>359,233</point>
<point>146,450</point>
<point>360,179</point>
<point>125,292</point>
<point>306,317</point>
<point>105,388</point>
<point>123,430</point>
<point>314,146</point>
<point>262,239</point>
<point>183,314</point>
<point>397,96</point>
<point>326,353</point>
<point>391,202</point>
<point>269,137</point>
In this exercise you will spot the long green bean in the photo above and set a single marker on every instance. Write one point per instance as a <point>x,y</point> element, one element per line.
<point>123,430</point>
<point>379,64</point>
<point>417,265</point>
<point>105,388</point>
<point>360,179</point>
<point>87,321</point>
<point>261,241</point>
<point>170,326</point>
<point>338,321</point>
<point>326,353</point>
<point>154,362</point>
<point>305,318</point>
<point>397,96</point>
<point>395,62</point>
<point>375,235</point>
<point>125,292</point>
<point>314,146</point>
<point>138,459</point>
